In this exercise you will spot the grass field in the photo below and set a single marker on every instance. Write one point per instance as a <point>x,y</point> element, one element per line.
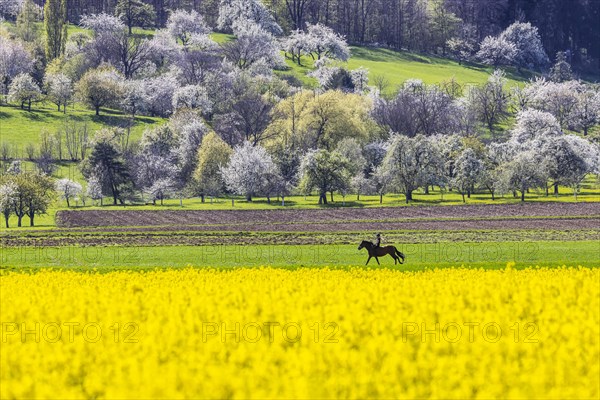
<point>419,256</point>
<point>398,66</point>
<point>21,127</point>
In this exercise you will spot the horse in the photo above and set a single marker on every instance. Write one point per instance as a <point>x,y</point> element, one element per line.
<point>381,251</point>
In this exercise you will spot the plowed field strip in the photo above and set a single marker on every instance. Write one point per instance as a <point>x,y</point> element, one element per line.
<point>250,217</point>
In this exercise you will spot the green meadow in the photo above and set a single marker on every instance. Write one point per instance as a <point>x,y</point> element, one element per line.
<point>419,256</point>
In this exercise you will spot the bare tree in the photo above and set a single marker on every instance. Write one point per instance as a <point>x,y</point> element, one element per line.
<point>76,139</point>
<point>491,100</point>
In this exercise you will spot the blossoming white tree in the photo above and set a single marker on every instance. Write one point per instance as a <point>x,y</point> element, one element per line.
<point>247,171</point>
<point>68,189</point>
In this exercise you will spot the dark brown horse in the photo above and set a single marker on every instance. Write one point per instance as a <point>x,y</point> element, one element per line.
<point>381,251</point>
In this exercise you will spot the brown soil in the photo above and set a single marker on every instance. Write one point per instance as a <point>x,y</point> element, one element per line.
<point>560,216</point>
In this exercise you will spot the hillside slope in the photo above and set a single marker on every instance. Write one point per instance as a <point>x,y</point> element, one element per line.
<point>398,66</point>
<point>19,127</point>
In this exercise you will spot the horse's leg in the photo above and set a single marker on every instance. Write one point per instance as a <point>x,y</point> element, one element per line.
<point>399,255</point>
<point>391,254</point>
<point>369,259</point>
<point>377,259</point>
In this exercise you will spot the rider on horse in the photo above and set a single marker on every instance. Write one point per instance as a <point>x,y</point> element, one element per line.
<point>377,242</point>
<point>375,250</point>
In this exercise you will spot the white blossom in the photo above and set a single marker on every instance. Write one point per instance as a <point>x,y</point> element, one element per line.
<point>68,189</point>
<point>232,13</point>
<point>246,173</point>
<point>184,25</point>
<point>192,97</point>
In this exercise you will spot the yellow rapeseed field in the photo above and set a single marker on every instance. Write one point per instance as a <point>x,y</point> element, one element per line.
<point>307,333</point>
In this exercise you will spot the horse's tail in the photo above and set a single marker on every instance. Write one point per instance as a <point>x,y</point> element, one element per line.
<point>399,254</point>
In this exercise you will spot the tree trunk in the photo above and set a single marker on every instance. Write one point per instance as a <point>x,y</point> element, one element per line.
<point>556,188</point>
<point>463,197</point>
<point>97,110</point>
<point>323,198</point>
<point>283,201</point>
<point>409,196</point>
<point>522,195</point>
<point>249,197</point>
<point>6,216</point>
<point>29,105</point>
<point>268,199</point>
<point>332,196</point>
<point>19,220</point>
<point>493,197</point>
<point>426,189</point>
<point>380,198</point>
<point>202,198</point>
<point>31,216</point>
<point>68,205</point>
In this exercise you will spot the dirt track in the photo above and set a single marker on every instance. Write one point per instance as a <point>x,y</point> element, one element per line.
<point>560,216</point>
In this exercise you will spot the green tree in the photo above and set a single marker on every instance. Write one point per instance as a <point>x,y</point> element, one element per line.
<point>326,171</point>
<point>107,165</point>
<point>42,194</point>
<point>27,29</point>
<point>306,120</point>
<point>100,87</point>
<point>443,24</point>
<point>33,193</point>
<point>135,13</point>
<point>212,155</point>
<point>55,24</point>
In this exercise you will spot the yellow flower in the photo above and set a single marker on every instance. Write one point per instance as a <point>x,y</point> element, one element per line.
<point>306,333</point>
